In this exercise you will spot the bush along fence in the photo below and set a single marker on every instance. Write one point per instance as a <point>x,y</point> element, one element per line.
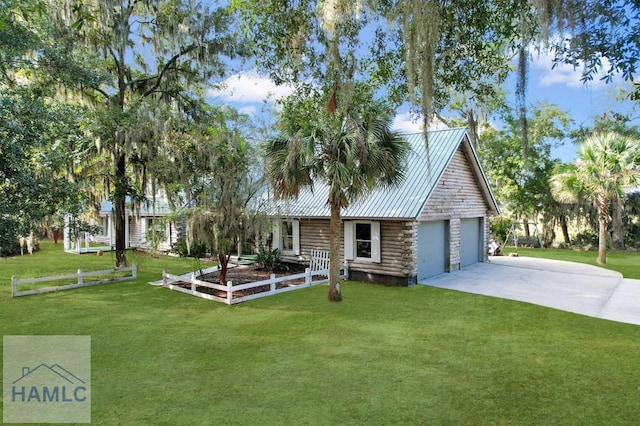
<point>107,276</point>
<point>232,294</point>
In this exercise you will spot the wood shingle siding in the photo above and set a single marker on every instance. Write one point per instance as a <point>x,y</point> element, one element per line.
<point>314,235</point>
<point>457,194</point>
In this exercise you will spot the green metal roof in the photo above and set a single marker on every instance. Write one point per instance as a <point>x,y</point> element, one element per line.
<point>424,169</point>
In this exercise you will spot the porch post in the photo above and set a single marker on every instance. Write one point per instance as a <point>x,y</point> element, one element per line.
<point>126,230</point>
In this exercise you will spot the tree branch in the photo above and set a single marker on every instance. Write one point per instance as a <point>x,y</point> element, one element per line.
<point>167,66</point>
<point>443,120</point>
<point>101,91</point>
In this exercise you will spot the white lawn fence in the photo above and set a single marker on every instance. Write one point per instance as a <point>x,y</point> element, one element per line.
<point>78,277</point>
<point>175,282</point>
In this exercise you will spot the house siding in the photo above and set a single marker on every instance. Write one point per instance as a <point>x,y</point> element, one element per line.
<point>398,244</point>
<point>314,235</point>
<point>135,232</point>
<point>137,229</point>
<point>396,251</point>
<point>457,196</point>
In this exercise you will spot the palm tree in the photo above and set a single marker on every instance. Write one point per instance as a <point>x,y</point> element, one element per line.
<point>607,167</point>
<point>351,155</point>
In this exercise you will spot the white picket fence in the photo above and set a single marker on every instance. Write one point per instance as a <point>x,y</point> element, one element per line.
<point>318,260</point>
<point>78,277</point>
<point>175,282</point>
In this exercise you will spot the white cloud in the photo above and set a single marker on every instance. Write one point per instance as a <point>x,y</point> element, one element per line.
<point>250,87</point>
<point>248,110</point>
<point>405,123</point>
<point>564,74</point>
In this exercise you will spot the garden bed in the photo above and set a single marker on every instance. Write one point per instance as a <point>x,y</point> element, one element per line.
<point>243,274</point>
<point>247,282</point>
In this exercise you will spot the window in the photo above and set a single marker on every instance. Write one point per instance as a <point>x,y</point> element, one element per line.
<point>362,241</point>
<point>154,229</point>
<point>103,223</point>
<point>287,235</point>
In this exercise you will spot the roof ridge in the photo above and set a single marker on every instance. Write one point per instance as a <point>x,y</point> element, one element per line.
<point>436,131</point>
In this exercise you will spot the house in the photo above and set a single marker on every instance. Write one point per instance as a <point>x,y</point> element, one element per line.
<point>436,221</point>
<point>149,214</point>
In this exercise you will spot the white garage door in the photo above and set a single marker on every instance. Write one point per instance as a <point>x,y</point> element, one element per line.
<point>432,249</point>
<point>470,241</point>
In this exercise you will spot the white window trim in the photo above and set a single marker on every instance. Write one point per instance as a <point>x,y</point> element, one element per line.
<point>350,241</point>
<point>106,231</point>
<point>144,223</point>
<point>277,233</point>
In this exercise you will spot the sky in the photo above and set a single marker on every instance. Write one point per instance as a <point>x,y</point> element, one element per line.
<point>253,94</point>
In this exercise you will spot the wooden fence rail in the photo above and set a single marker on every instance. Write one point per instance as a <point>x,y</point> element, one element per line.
<point>78,277</point>
<point>180,283</point>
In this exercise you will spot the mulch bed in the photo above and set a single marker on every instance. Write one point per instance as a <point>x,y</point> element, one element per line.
<point>245,274</point>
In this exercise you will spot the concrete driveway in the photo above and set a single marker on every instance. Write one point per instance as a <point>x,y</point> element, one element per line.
<point>568,286</point>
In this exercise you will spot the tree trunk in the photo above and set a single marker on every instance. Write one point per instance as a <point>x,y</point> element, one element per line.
<point>550,232</point>
<point>223,263</point>
<point>602,237</point>
<point>334,254</point>
<point>525,225</point>
<point>56,235</point>
<point>617,236</point>
<point>565,229</point>
<point>472,124</point>
<point>119,214</point>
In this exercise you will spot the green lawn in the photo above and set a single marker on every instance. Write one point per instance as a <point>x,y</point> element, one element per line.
<point>627,263</point>
<point>385,355</point>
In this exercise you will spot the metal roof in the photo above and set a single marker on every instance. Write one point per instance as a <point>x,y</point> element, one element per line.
<point>424,170</point>
<point>148,208</point>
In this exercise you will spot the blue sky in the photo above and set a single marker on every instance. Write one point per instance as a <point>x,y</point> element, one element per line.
<point>253,94</point>
<point>583,102</point>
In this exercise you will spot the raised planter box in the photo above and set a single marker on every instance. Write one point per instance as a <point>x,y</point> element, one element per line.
<point>232,294</point>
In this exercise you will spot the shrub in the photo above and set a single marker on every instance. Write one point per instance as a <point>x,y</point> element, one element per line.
<point>268,259</point>
<point>500,227</point>
<point>632,236</point>
<point>155,235</point>
<point>586,240</point>
<point>8,237</point>
<point>198,248</point>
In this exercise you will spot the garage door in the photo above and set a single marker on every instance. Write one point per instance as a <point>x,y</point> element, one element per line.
<point>469,241</point>
<point>432,249</point>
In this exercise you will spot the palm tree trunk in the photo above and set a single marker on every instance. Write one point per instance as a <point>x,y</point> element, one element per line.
<point>334,254</point>
<point>602,238</point>
<point>565,229</point>
<point>617,237</point>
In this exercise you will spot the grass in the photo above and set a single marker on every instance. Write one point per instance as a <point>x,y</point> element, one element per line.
<point>627,263</point>
<point>385,355</point>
